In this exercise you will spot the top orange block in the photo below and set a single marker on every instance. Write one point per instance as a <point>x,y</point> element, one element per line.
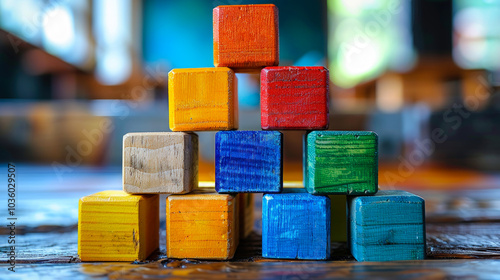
<point>246,36</point>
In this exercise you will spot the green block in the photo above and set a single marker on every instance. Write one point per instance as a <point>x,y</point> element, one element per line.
<point>341,162</point>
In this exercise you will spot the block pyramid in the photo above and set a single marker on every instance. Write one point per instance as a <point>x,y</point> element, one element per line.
<point>340,191</point>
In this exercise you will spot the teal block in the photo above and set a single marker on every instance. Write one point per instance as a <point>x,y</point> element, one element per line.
<point>388,226</point>
<point>390,252</point>
<point>341,162</point>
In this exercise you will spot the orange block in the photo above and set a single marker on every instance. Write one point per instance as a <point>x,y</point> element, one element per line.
<point>202,226</point>
<point>202,99</point>
<point>246,36</point>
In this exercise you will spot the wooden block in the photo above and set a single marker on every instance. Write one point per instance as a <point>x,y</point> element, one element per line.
<point>202,226</point>
<point>160,162</point>
<point>338,218</point>
<point>202,99</point>
<point>294,98</point>
<point>341,162</point>
<point>389,226</point>
<point>246,36</point>
<point>246,206</point>
<point>295,225</point>
<point>116,226</point>
<point>248,161</point>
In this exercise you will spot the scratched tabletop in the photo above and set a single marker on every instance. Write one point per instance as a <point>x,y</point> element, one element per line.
<point>462,221</point>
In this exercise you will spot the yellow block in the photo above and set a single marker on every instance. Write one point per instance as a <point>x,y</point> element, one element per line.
<point>202,226</point>
<point>116,226</point>
<point>202,99</point>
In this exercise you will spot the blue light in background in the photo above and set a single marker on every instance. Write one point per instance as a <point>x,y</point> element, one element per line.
<point>178,34</point>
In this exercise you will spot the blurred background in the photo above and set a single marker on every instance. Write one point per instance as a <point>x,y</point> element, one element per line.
<point>76,75</point>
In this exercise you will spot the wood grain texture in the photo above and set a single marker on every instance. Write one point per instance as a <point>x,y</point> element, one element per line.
<point>248,161</point>
<point>338,222</point>
<point>246,220</point>
<point>202,99</point>
<point>388,226</point>
<point>160,162</point>
<point>469,233</point>
<point>341,162</point>
<point>202,226</point>
<point>246,36</point>
<point>294,98</point>
<point>116,226</point>
<point>467,240</point>
<point>295,225</point>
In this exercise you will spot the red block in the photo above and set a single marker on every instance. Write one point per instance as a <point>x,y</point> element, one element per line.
<point>294,98</point>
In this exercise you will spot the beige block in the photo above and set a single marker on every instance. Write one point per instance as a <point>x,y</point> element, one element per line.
<point>160,162</point>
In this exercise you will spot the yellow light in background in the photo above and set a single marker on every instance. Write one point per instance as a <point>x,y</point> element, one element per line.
<point>58,28</point>
<point>389,93</point>
<point>470,43</point>
<point>113,15</point>
<point>357,61</point>
<point>469,51</point>
<point>22,18</point>
<point>113,33</point>
<point>355,7</point>
<point>113,66</point>
<point>358,56</point>
<point>469,22</point>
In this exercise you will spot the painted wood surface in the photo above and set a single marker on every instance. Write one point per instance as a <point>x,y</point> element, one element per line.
<point>264,270</point>
<point>246,205</point>
<point>388,226</point>
<point>246,36</point>
<point>116,226</point>
<point>202,225</point>
<point>160,162</point>
<point>248,161</point>
<point>462,224</point>
<point>341,162</point>
<point>294,98</point>
<point>463,237</point>
<point>338,218</point>
<point>202,99</point>
<point>295,225</point>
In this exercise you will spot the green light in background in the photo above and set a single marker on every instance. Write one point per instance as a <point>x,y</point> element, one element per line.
<point>367,37</point>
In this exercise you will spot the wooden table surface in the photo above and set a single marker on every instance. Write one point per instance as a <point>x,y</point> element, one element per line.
<point>462,215</point>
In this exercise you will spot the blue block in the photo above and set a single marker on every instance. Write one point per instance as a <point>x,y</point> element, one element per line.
<point>388,226</point>
<point>248,161</point>
<point>296,225</point>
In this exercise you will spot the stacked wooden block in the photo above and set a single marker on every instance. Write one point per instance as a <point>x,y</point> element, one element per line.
<point>340,168</point>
